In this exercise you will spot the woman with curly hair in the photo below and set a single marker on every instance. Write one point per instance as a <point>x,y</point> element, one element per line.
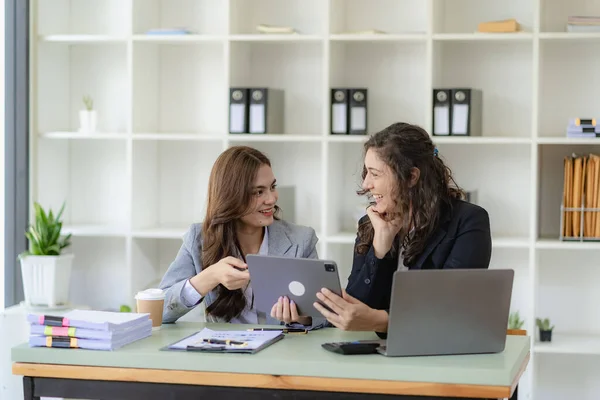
<point>417,219</point>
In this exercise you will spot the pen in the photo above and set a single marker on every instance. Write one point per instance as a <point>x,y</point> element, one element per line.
<point>225,341</point>
<point>284,330</point>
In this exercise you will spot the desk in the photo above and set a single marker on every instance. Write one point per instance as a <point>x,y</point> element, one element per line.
<point>295,367</point>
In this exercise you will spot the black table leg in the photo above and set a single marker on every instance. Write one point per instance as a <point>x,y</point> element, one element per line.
<point>515,395</point>
<point>28,383</point>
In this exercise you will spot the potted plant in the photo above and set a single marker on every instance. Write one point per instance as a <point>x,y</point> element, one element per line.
<point>545,329</point>
<point>515,323</point>
<point>46,270</point>
<point>87,117</point>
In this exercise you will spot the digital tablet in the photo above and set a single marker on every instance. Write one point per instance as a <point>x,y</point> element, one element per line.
<point>297,278</point>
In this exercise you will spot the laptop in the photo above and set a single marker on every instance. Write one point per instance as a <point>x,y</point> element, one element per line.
<point>448,312</point>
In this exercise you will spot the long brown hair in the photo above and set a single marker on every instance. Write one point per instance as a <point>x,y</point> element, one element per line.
<point>403,147</point>
<point>230,189</point>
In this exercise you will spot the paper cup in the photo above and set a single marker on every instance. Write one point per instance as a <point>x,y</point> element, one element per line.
<point>151,301</point>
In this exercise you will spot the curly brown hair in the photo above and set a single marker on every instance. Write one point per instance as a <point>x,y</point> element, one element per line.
<point>230,188</point>
<point>402,147</point>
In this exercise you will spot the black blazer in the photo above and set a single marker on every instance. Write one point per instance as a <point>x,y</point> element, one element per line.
<point>463,240</point>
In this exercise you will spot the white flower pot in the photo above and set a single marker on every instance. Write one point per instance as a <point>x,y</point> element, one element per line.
<point>46,279</point>
<point>87,121</point>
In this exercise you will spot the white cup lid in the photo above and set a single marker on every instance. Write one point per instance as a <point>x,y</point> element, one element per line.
<point>150,294</point>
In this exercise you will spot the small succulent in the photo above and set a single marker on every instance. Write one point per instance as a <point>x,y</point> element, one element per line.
<point>515,321</point>
<point>544,324</point>
<point>88,102</point>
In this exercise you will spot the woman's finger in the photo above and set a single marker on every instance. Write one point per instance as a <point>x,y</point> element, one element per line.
<point>279,310</point>
<point>286,310</point>
<point>294,312</point>
<point>331,317</point>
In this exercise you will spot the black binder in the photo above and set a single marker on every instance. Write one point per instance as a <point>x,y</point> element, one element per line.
<point>238,110</point>
<point>266,110</point>
<point>339,111</point>
<point>358,111</point>
<point>466,112</point>
<point>442,113</point>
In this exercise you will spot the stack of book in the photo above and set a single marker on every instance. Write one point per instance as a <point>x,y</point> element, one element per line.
<point>583,24</point>
<point>580,217</point>
<point>88,329</point>
<point>583,128</point>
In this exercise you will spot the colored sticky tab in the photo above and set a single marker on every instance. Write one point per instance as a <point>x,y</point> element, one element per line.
<point>74,342</point>
<point>48,341</point>
<point>71,332</point>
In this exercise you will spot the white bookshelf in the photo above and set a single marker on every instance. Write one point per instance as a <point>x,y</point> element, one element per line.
<point>133,188</point>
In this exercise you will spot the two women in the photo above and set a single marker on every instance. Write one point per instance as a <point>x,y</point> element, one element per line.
<point>416,220</point>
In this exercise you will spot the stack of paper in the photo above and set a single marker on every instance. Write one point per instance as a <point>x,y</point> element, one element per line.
<point>88,329</point>
<point>583,128</point>
<point>581,197</point>
<point>583,24</point>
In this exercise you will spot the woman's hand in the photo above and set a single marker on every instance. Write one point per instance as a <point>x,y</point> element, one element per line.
<point>350,314</point>
<point>230,272</point>
<point>285,310</point>
<point>384,232</point>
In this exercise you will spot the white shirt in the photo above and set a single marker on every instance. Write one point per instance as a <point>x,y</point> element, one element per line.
<point>190,296</point>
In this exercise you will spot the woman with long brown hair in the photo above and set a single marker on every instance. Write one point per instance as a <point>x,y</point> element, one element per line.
<point>417,219</point>
<point>241,218</point>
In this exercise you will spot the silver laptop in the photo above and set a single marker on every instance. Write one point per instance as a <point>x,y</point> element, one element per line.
<point>447,312</point>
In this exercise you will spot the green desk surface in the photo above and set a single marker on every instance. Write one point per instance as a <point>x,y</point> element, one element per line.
<point>296,355</point>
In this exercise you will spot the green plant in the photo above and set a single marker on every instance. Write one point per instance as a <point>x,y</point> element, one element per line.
<point>125,308</point>
<point>544,324</point>
<point>88,102</point>
<point>515,321</point>
<point>44,235</point>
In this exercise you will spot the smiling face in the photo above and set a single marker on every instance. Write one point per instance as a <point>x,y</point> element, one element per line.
<point>381,182</point>
<point>264,198</point>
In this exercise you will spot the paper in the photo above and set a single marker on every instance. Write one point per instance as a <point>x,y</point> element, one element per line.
<point>254,340</point>
<point>236,118</point>
<point>339,118</point>
<point>460,115</point>
<point>257,118</point>
<point>358,118</point>
<point>441,120</point>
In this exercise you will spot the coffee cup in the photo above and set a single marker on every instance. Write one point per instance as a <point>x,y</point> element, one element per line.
<point>151,301</point>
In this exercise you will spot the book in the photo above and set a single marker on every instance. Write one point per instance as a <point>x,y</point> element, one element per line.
<point>208,340</point>
<point>91,319</point>
<point>82,333</point>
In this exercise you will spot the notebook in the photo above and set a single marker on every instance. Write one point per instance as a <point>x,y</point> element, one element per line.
<point>248,342</point>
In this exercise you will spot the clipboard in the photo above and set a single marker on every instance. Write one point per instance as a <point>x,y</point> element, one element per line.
<point>254,341</point>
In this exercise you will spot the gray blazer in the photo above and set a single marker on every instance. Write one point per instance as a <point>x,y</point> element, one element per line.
<point>285,240</point>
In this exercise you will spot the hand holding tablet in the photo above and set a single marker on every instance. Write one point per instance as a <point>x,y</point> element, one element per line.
<point>298,279</point>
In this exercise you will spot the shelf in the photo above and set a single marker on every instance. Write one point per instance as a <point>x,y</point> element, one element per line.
<point>275,38</point>
<point>571,36</point>
<point>95,230</point>
<point>380,37</point>
<point>480,140</point>
<point>202,137</point>
<point>175,39</point>
<point>497,242</point>
<point>554,14</point>
<point>478,36</point>
<point>304,16</point>
<point>273,137</point>
<point>400,66</point>
<point>203,18</point>
<point>570,344</point>
<point>183,105</point>
<point>294,69</point>
<point>567,140</point>
<point>464,16</point>
<point>85,136</point>
<point>556,63</point>
<point>160,232</point>
<point>82,39</point>
<point>170,182</point>
<point>497,70</point>
<point>65,74</point>
<point>405,17</point>
<point>557,244</point>
<point>108,18</point>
